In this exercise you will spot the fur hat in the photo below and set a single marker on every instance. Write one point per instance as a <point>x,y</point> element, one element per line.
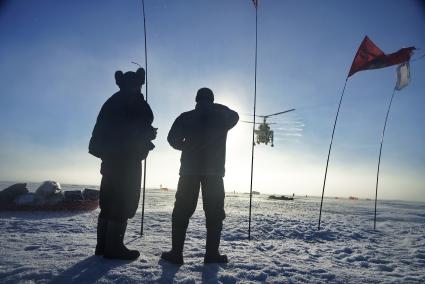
<point>130,78</point>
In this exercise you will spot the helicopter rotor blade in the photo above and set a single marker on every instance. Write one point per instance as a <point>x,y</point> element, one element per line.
<point>250,122</point>
<point>277,113</point>
<point>258,122</point>
<point>266,116</point>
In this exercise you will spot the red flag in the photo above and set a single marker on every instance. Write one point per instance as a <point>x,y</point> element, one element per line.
<point>369,56</point>
<point>255,3</point>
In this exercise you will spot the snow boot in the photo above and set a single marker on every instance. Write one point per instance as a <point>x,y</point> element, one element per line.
<point>212,254</point>
<point>101,236</point>
<point>114,244</point>
<point>175,255</point>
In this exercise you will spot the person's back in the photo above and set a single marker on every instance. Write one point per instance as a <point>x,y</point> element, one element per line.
<point>201,136</point>
<point>122,126</point>
<point>204,131</point>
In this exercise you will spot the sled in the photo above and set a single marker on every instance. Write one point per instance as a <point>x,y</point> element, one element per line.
<point>80,205</point>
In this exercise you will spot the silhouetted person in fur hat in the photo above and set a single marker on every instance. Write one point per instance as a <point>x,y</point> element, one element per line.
<point>122,139</point>
<point>201,136</point>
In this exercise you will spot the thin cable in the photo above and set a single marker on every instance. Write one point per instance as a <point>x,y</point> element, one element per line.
<point>253,125</point>
<point>146,89</point>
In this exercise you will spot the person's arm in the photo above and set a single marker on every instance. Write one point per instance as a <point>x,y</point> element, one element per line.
<point>146,121</point>
<point>148,112</point>
<point>231,117</point>
<point>175,136</point>
<point>98,145</point>
<point>141,132</point>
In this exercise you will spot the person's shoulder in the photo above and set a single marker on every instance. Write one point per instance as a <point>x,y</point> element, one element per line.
<point>136,99</point>
<point>116,96</point>
<point>188,113</point>
<point>111,100</point>
<point>223,109</point>
<point>185,116</point>
<point>220,106</point>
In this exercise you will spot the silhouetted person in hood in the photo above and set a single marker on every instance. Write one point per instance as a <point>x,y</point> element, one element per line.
<point>122,139</point>
<point>201,136</point>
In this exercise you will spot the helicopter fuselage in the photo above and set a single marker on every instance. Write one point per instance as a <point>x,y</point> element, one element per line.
<point>264,134</point>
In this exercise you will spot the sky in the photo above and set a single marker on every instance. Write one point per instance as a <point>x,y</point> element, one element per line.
<point>58,60</point>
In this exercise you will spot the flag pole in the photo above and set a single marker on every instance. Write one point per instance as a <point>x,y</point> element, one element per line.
<point>329,152</point>
<point>253,125</point>
<point>379,159</point>
<point>146,89</point>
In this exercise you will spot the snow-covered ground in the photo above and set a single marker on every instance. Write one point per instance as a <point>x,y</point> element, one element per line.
<point>57,247</point>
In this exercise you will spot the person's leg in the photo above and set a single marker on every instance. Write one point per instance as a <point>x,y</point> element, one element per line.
<point>101,234</point>
<point>114,244</point>
<point>116,191</point>
<point>184,207</point>
<point>105,205</point>
<point>213,201</point>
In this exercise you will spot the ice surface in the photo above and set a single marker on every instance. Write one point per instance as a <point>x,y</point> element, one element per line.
<point>57,247</point>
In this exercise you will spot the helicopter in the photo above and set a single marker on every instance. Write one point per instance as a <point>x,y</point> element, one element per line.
<point>263,133</point>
